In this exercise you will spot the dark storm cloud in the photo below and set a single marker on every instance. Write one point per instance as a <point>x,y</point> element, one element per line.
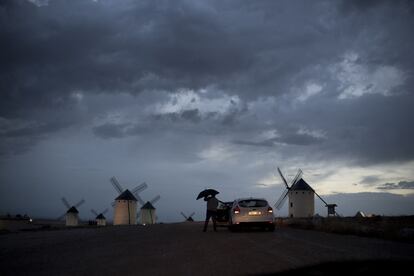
<point>18,135</point>
<point>397,186</point>
<point>265,143</point>
<point>370,180</point>
<point>254,50</point>
<point>191,115</point>
<point>111,130</point>
<point>297,139</point>
<point>109,46</point>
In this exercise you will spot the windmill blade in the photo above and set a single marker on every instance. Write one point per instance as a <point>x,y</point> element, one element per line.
<point>113,203</point>
<point>94,212</point>
<point>79,203</point>
<point>192,214</point>
<point>65,202</point>
<point>105,211</point>
<point>155,199</point>
<point>61,217</point>
<point>184,215</point>
<point>279,203</point>
<point>116,185</point>
<point>139,188</point>
<point>140,200</point>
<point>283,178</point>
<point>297,177</point>
<point>326,204</point>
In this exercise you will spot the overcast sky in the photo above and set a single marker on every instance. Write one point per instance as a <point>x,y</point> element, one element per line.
<point>187,95</point>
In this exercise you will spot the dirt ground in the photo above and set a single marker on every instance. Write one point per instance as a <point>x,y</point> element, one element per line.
<point>183,249</point>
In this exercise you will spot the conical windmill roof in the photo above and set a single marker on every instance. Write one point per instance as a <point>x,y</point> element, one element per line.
<point>126,195</point>
<point>148,206</point>
<point>100,216</point>
<point>72,210</point>
<point>301,185</point>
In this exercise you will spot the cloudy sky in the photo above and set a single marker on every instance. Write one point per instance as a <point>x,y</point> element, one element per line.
<point>186,95</point>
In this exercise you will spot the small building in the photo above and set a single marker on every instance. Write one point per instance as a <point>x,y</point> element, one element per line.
<point>72,218</point>
<point>331,210</point>
<point>125,209</point>
<point>301,200</point>
<point>148,215</point>
<point>100,220</point>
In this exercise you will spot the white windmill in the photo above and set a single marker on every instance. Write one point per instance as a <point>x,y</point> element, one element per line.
<point>126,203</point>
<point>301,197</point>
<point>72,213</point>
<point>100,218</point>
<point>188,218</point>
<point>147,213</point>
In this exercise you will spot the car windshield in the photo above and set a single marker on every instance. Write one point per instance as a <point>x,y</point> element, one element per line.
<point>253,203</point>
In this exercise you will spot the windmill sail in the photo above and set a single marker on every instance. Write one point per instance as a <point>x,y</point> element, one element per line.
<point>94,212</point>
<point>140,200</point>
<point>116,185</point>
<point>283,178</point>
<point>326,204</point>
<point>65,202</point>
<point>79,203</point>
<point>297,177</point>
<point>155,199</point>
<point>282,199</point>
<point>139,188</point>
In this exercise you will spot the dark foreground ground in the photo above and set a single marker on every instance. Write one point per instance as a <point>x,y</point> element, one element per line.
<point>182,249</point>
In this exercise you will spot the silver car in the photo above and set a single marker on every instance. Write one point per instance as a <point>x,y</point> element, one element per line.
<point>251,212</point>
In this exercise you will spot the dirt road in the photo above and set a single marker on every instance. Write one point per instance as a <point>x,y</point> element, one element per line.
<point>183,249</point>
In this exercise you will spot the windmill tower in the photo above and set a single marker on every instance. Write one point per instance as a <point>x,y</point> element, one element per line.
<point>126,203</point>
<point>72,214</point>
<point>147,214</point>
<point>301,197</point>
<point>100,218</point>
<point>189,218</point>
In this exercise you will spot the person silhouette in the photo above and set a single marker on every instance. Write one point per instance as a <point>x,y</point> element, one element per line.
<point>212,203</point>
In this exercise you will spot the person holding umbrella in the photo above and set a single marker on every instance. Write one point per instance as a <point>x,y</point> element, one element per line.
<point>212,203</point>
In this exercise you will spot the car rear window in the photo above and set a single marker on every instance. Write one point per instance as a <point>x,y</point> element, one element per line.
<point>253,203</point>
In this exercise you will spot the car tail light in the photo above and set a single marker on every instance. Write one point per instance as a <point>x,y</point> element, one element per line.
<point>236,210</point>
<point>270,210</point>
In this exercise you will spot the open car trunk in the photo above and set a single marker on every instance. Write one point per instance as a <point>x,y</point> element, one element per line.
<point>223,213</point>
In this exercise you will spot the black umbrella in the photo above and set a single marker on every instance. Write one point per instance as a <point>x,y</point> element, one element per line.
<point>206,193</point>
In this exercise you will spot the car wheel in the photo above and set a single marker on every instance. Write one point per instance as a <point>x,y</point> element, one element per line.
<point>271,228</point>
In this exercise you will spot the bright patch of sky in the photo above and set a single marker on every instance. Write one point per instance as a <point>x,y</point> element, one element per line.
<point>312,132</point>
<point>190,99</point>
<point>357,79</point>
<point>310,89</point>
<point>216,153</point>
<point>40,3</point>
